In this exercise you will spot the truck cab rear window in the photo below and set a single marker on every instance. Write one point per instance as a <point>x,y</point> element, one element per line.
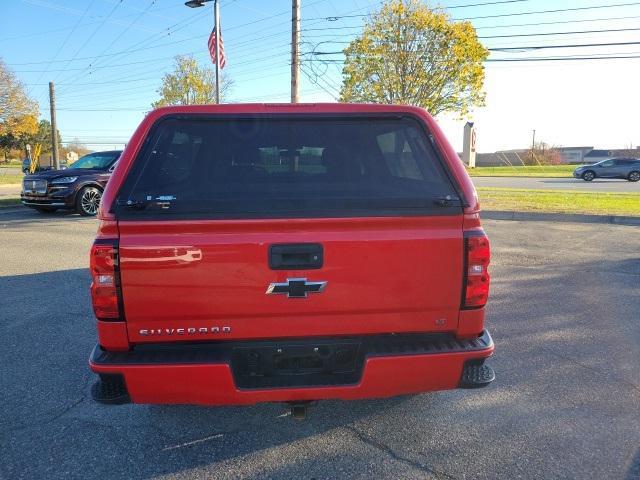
<point>198,167</point>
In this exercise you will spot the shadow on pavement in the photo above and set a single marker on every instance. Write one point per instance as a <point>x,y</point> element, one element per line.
<point>46,335</point>
<point>25,216</point>
<point>559,408</point>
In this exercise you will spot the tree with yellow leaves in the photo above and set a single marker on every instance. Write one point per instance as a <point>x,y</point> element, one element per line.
<point>411,54</point>
<point>18,113</point>
<point>189,84</point>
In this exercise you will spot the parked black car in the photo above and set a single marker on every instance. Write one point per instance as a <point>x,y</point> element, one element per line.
<point>78,187</point>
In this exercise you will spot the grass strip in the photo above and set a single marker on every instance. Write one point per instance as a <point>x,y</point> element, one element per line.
<point>10,202</point>
<point>559,201</point>
<point>10,178</point>
<point>523,171</point>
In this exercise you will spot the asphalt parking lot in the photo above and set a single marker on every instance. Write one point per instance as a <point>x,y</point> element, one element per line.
<point>563,313</point>
<point>568,183</point>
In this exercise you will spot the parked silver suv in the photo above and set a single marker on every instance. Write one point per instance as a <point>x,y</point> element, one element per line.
<point>626,168</point>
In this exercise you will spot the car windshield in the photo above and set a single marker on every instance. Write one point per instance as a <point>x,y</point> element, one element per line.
<point>99,161</point>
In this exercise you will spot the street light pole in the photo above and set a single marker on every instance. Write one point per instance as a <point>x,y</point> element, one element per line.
<point>216,21</point>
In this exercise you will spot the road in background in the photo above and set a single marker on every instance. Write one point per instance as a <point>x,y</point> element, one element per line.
<point>597,185</point>
<point>10,171</point>
<point>563,314</point>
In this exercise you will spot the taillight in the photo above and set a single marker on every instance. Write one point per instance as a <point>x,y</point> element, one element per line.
<point>476,278</point>
<point>105,276</point>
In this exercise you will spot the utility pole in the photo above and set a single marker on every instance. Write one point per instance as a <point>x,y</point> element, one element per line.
<point>54,128</point>
<point>295,50</point>
<point>533,146</point>
<point>216,21</point>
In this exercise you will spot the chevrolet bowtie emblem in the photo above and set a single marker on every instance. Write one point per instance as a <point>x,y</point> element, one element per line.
<point>296,288</point>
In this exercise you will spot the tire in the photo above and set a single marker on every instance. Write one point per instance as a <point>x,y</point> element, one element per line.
<point>588,175</point>
<point>633,176</point>
<point>88,201</point>
<point>45,209</point>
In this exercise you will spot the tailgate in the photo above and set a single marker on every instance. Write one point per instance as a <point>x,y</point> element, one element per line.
<point>204,280</point>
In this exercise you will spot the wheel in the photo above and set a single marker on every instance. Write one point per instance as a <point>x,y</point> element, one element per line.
<point>88,201</point>
<point>46,209</point>
<point>633,176</point>
<point>588,175</point>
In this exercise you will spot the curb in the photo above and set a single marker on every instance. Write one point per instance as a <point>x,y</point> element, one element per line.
<point>559,217</point>
<point>10,205</point>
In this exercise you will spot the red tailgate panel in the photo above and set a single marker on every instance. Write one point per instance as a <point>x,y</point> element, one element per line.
<point>395,274</point>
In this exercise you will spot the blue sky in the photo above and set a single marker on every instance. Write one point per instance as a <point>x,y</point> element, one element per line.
<point>107,58</point>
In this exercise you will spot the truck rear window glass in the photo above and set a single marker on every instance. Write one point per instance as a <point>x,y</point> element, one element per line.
<point>198,167</point>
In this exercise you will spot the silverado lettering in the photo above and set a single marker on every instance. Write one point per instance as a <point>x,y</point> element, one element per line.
<point>361,223</point>
<point>184,331</point>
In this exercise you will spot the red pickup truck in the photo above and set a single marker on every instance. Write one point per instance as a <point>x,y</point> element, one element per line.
<point>261,253</point>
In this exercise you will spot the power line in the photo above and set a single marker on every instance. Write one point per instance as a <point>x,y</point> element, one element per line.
<point>65,41</point>
<point>542,47</point>
<point>608,30</point>
<point>113,42</point>
<point>511,35</point>
<point>147,108</point>
<point>487,27</point>
<point>559,22</point>
<point>574,9</point>
<point>93,34</point>
<point>108,99</point>
<point>92,92</point>
<point>567,58</point>
<point>513,14</point>
<point>503,49</point>
<point>121,79</point>
<point>539,59</point>
<point>172,29</point>
<point>105,91</point>
<point>320,81</point>
<point>310,29</point>
<point>452,7</point>
<point>64,29</point>
<point>247,41</point>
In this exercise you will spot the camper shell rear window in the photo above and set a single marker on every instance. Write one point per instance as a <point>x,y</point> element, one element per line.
<point>283,166</point>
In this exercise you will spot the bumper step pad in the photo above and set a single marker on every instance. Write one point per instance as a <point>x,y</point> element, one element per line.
<point>297,363</point>
<point>110,390</point>
<point>476,375</point>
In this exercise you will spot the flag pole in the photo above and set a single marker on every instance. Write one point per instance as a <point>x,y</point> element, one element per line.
<point>216,21</point>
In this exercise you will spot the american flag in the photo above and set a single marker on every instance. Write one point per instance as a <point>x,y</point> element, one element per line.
<point>212,49</point>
